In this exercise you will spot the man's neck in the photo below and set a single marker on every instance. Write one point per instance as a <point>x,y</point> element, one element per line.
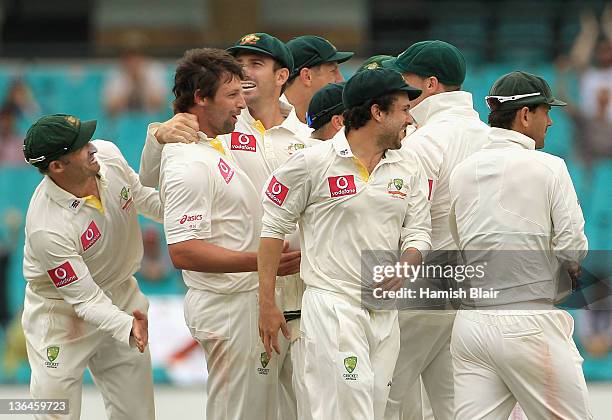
<point>78,187</point>
<point>299,101</point>
<point>268,112</point>
<point>365,148</point>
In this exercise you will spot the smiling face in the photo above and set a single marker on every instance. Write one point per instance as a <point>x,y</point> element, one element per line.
<point>263,79</point>
<point>394,123</point>
<point>78,164</point>
<point>220,113</point>
<point>324,74</point>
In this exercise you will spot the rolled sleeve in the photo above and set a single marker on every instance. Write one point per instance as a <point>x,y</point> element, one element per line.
<point>284,198</point>
<point>72,279</point>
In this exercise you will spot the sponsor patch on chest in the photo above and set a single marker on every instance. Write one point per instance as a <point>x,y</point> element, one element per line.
<point>226,171</point>
<point>90,236</point>
<point>243,141</point>
<point>340,186</point>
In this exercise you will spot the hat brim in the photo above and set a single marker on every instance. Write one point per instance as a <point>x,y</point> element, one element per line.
<point>339,57</point>
<point>236,48</point>
<point>86,133</point>
<point>413,93</point>
<point>556,102</point>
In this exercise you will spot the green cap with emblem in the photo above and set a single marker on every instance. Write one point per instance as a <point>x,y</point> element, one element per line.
<point>311,50</point>
<point>326,103</point>
<point>518,89</point>
<point>55,135</point>
<point>266,44</point>
<point>375,83</point>
<point>432,58</point>
<point>374,62</point>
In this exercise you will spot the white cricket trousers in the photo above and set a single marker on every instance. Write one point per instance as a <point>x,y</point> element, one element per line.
<point>60,346</point>
<point>501,357</point>
<point>242,382</point>
<point>349,356</point>
<point>424,350</point>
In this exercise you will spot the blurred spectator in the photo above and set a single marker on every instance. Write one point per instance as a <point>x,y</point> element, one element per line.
<point>592,131</point>
<point>156,274</point>
<point>11,143</point>
<point>595,324</point>
<point>20,100</point>
<point>12,220</point>
<point>138,85</point>
<point>595,73</point>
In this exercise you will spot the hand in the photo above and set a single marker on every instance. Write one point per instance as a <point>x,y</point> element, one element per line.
<point>182,128</point>
<point>574,270</point>
<point>271,319</point>
<point>140,330</point>
<point>289,261</point>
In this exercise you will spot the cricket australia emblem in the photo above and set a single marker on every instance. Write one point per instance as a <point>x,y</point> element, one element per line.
<point>350,364</point>
<point>394,188</point>
<point>264,360</point>
<point>52,354</point>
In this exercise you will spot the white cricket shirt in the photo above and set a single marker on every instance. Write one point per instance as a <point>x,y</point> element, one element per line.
<point>208,197</point>
<point>343,210</point>
<point>77,248</point>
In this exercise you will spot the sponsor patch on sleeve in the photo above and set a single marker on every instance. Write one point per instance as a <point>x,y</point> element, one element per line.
<point>63,275</point>
<point>340,186</point>
<point>226,171</point>
<point>243,141</point>
<point>277,192</point>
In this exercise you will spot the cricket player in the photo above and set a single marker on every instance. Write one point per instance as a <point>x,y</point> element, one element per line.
<point>449,130</point>
<point>342,192</point>
<point>212,219</point>
<point>517,207</point>
<point>83,308</point>
<point>325,110</point>
<point>315,64</point>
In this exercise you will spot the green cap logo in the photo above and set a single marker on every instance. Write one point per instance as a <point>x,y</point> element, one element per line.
<point>264,359</point>
<point>350,363</point>
<point>249,39</point>
<point>52,353</point>
<point>399,183</point>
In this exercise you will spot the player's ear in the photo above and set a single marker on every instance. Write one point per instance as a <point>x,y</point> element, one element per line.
<point>198,99</point>
<point>305,76</point>
<point>281,76</point>
<point>337,122</point>
<point>56,167</point>
<point>376,112</point>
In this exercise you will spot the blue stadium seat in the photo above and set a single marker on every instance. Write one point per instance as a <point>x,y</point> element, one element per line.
<point>599,216</point>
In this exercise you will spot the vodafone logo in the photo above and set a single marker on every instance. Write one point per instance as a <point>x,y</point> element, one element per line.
<point>243,141</point>
<point>341,185</point>
<point>276,192</point>
<point>62,275</point>
<point>226,171</point>
<point>90,236</point>
<point>190,218</point>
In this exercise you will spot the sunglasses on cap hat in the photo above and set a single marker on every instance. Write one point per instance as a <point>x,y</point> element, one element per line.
<point>493,100</point>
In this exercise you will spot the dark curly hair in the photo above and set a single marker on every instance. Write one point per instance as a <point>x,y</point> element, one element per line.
<point>202,70</point>
<point>358,116</point>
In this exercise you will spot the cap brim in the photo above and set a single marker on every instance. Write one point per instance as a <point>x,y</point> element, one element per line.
<point>556,102</point>
<point>86,133</point>
<point>413,93</point>
<point>340,57</point>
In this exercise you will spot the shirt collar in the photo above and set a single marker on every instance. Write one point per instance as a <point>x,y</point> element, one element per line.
<point>500,137</point>
<point>343,148</point>
<point>65,199</point>
<point>204,138</point>
<point>457,103</point>
<point>291,122</point>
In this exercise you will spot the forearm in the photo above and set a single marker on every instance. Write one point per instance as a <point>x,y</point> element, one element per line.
<point>411,256</point>
<point>199,255</point>
<point>268,259</point>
